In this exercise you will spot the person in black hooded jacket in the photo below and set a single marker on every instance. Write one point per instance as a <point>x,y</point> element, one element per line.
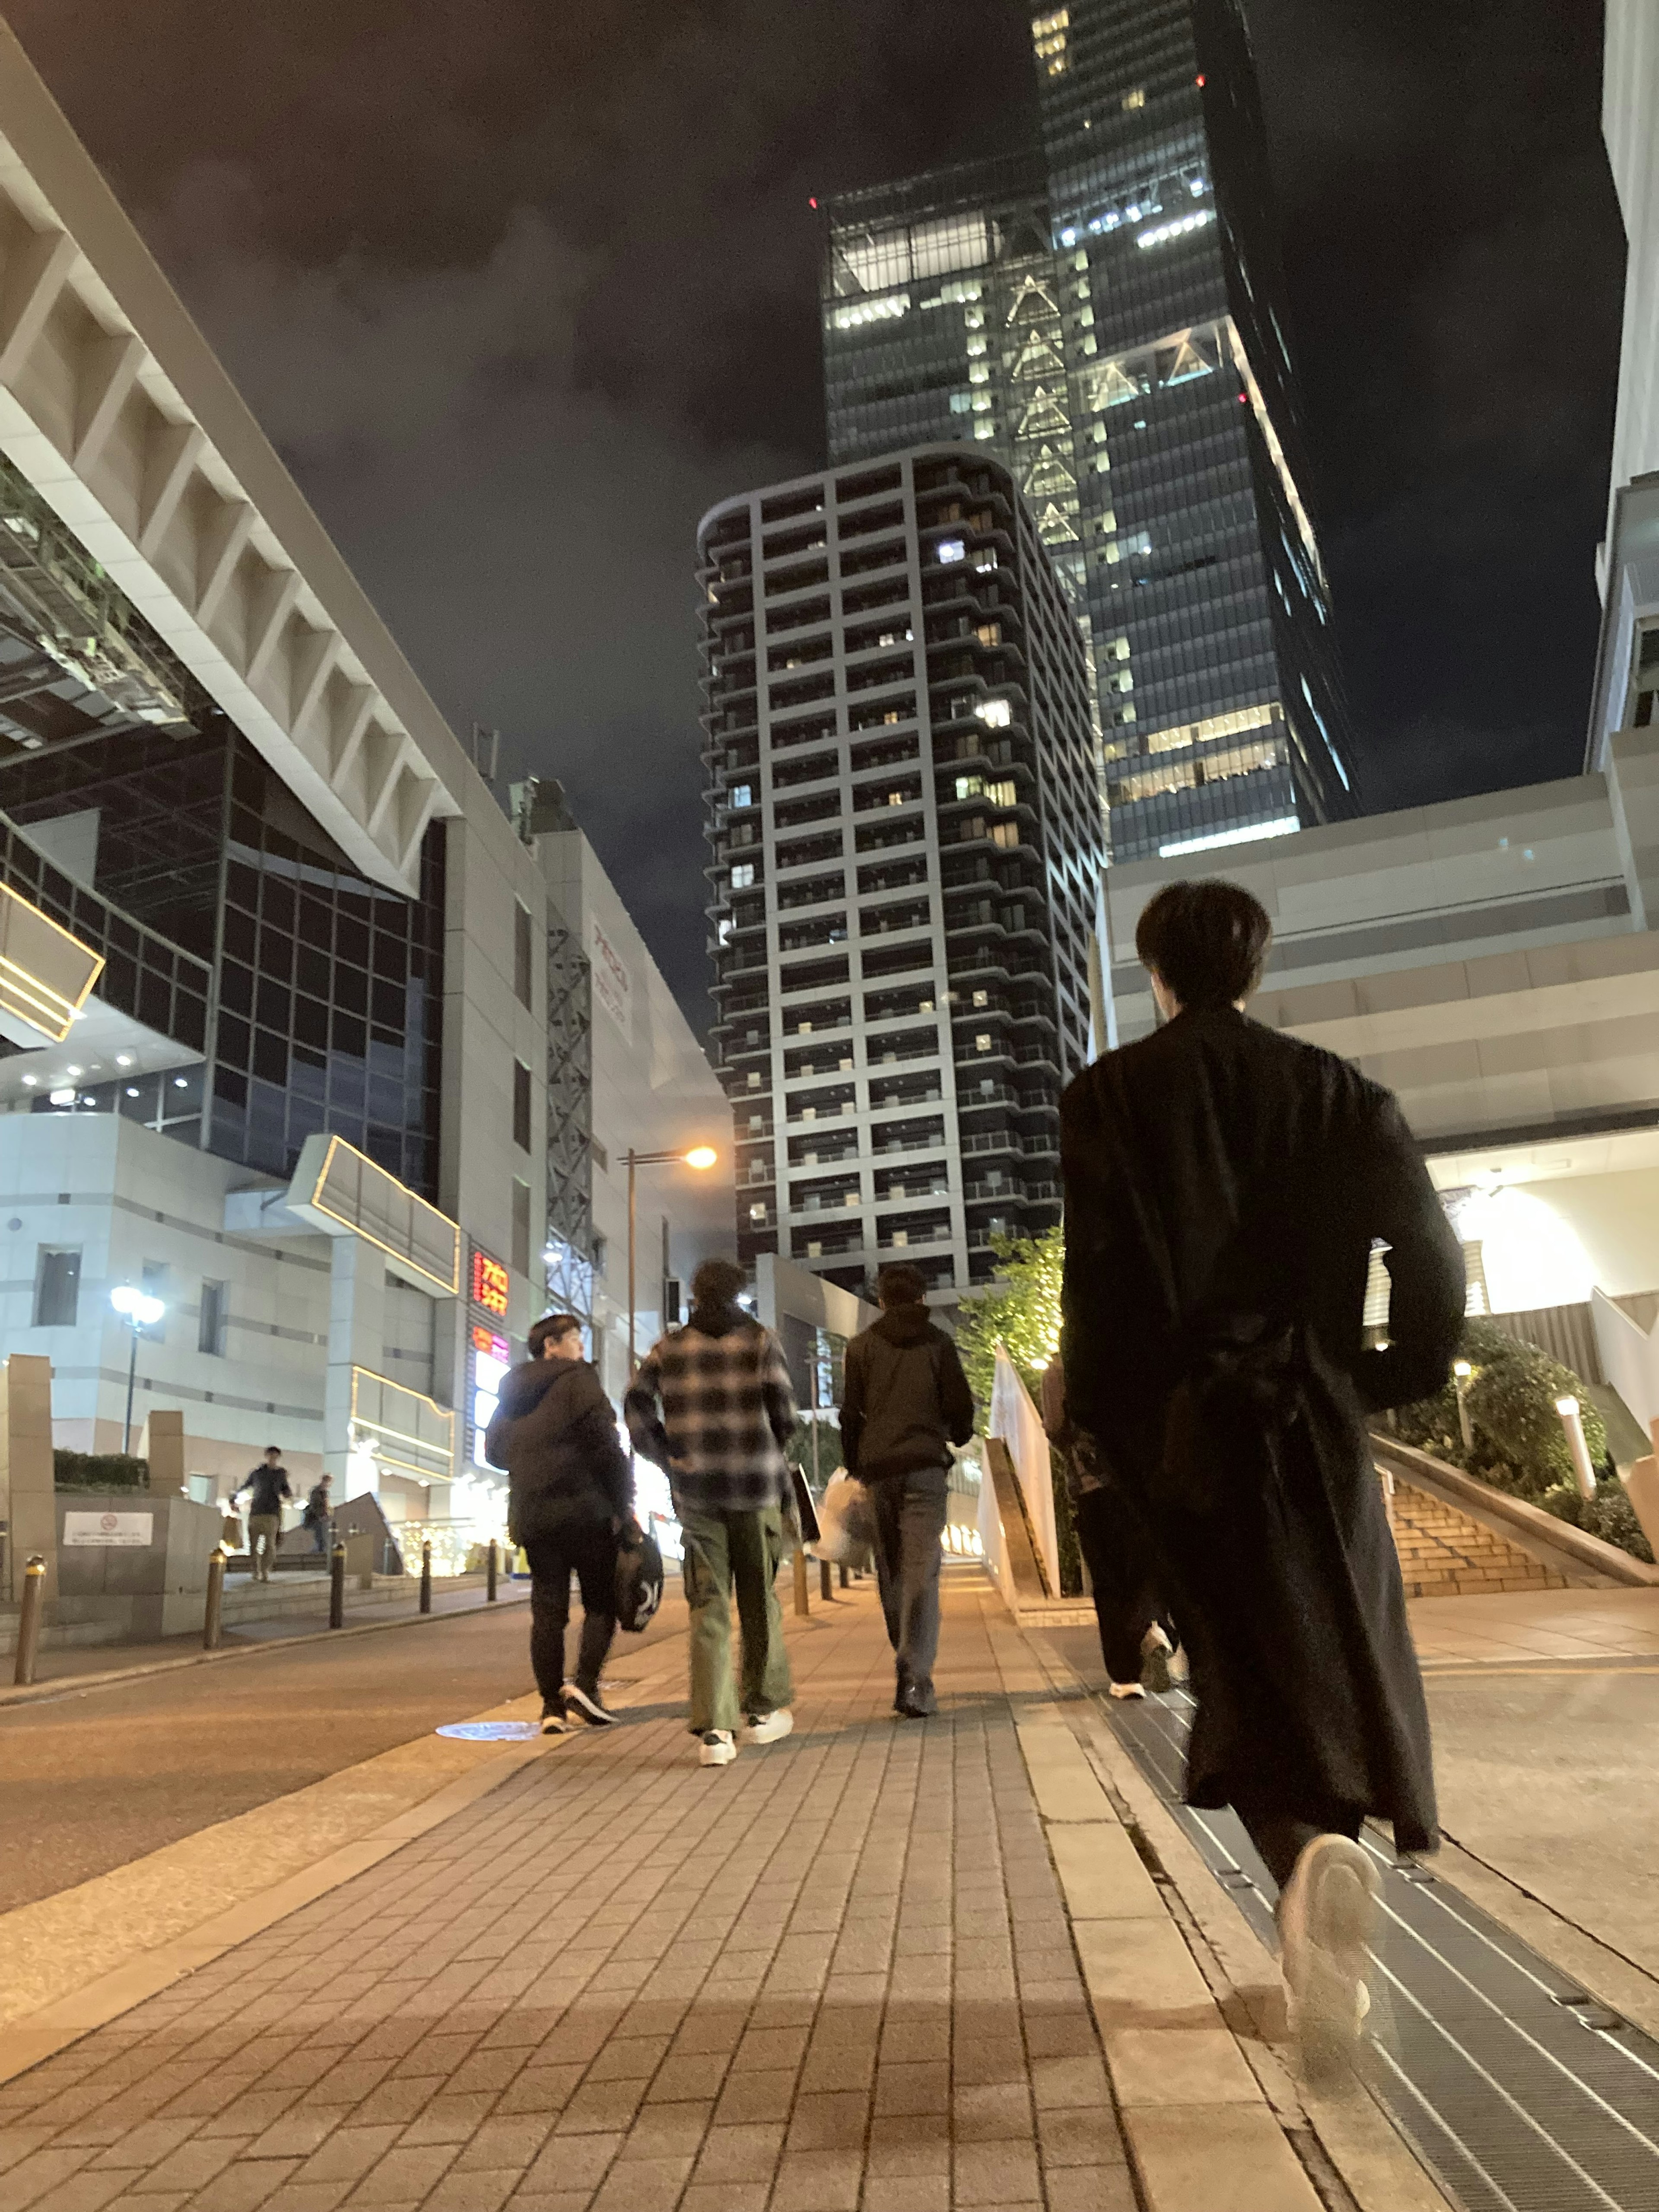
<point>570,1490</point>
<point>903,1398</point>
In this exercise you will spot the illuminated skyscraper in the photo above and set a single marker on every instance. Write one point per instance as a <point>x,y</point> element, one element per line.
<point>1106,317</point>
<point>907,845</point>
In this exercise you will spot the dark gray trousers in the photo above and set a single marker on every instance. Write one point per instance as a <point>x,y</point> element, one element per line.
<point>909,1513</point>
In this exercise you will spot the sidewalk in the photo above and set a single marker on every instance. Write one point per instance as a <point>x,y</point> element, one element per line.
<point>880,1967</point>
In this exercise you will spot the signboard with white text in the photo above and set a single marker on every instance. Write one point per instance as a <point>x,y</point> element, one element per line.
<point>116,1532</point>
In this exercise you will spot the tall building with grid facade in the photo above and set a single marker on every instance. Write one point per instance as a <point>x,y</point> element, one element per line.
<point>1106,316</point>
<point>907,841</point>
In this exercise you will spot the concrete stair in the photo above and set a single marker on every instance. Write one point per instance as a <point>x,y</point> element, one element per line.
<point>1443,1553</point>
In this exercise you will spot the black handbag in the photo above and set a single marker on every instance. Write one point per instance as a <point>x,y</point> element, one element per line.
<point>639,1579</point>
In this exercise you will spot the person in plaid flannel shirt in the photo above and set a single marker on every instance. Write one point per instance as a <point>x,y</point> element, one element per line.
<point>712,1406</point>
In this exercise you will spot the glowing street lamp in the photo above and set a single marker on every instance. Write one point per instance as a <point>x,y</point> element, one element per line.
<point>700,1157</point>
<point>139,1310</point>
<point>1461,1373</point>
<point>1573,1422</point>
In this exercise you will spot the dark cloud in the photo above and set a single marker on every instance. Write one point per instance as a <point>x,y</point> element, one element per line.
<point>520,291</point>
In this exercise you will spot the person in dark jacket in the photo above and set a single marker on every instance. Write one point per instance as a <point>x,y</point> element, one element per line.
<point>570,1489</point>
<point>1136,1636</point>
<point>269,1490</point>
<point>1224,1187</point>
<point>319,1516</point>
<point>903,1398</point>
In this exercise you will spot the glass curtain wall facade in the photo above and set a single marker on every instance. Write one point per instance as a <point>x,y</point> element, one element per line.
<point>1123,349</point>
<point>302,996</point>
<point>903,808</point>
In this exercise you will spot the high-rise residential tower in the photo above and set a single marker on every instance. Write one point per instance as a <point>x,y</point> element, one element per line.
<point>903,808</point>
<point>1107,318</point>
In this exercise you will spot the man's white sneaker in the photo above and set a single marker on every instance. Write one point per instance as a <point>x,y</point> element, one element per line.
<point>1127,1690</point>
<point>769,1727</point>
<point>1155,1649</point>
<point>1326,1916</point>
<point>717,1748</point>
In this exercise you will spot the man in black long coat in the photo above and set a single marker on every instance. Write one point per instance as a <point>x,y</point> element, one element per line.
<point>1224,1186</point>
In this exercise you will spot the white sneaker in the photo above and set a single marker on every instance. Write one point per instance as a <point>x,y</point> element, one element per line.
<point>1126,1690</point>
<point>1327,1917</point>
<point>1155,1649</point>
<point>717,1748</point>
<point>769,1728</point>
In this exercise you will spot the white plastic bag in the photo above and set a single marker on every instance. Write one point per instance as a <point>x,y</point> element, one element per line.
<point>847,1521</point>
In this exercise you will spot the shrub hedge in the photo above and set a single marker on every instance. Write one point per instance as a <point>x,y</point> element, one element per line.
<point>1520,1445</point>
<point>74,1470</point>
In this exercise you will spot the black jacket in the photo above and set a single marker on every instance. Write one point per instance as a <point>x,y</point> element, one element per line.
<point>555,1431</point>
<point>1224,1187</point>
<point>904,1394</point>
<point>268,1489</point>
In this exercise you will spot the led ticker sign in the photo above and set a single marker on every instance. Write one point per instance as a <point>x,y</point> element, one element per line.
<point>490,1284</point>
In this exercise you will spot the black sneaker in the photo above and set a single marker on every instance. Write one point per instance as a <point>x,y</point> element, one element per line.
<point>555,1720</point>
<point>916,1701</point>
<point>585,1705</point>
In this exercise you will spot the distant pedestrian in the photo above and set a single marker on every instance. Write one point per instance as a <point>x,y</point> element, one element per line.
<point>269,1490</point>
<point>570,1491</point>
<point>1226,1186</point>
<point>904,1400</point>
<point>1136,1636</point>
<point>712,1406</point>
<point>318,1516</point>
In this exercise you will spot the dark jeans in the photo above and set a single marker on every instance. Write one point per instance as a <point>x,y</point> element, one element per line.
<point>586,1549</point>
<point>910,1512</point>
<point>1119,1555</point>
<point>319,1533</point>
<point>1280,1837</point>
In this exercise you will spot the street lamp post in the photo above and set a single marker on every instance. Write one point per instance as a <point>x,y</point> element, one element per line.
<point>139,1310</point>
<point>700,1156</point>
<point>1461,1375</point>
<point>1572,1421</point>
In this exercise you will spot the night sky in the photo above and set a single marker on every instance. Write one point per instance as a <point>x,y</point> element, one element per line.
<point>520,289</point>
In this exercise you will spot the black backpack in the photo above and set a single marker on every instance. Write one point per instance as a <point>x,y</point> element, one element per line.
<point>639,1580</point>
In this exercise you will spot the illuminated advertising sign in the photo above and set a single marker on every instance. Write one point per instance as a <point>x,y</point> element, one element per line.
<point>489,1284</point>
<point>490,1357</point>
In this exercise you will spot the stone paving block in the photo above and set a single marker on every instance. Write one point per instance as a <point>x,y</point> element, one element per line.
<point>818,2181</point>
<point>777,1990</point>
<point>1178,2066</point>
<point>572,2163</point>
<point>740,2154</point>
<point>1213,2159</point>
<point>246,2184</point>
<point>916,2192</point>
<point>1090,2189</point>
<point>998,2173</point>
<point>761,2096</point>
<point>1140,1973</point>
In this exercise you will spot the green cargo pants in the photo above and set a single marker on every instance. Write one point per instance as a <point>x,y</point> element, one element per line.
<point>726,1552</point>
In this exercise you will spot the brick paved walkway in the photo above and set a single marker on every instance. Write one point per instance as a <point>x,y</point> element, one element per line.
<point>837,1974</point>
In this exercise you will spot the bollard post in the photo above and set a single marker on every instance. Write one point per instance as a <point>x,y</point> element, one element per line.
<point>826,1586</point>
<point>841,1571</point>
<point>29,1625</point>
<point>426,1576</point>
<point>803,1603</point>
<point>212,1617</point>
<point>336,1586</point>
<point>490,1574</point>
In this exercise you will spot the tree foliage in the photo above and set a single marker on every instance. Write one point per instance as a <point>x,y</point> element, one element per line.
<point>1020,1311</point>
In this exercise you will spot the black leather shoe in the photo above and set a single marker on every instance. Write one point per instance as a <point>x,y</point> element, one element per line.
<point>916,1701</point>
